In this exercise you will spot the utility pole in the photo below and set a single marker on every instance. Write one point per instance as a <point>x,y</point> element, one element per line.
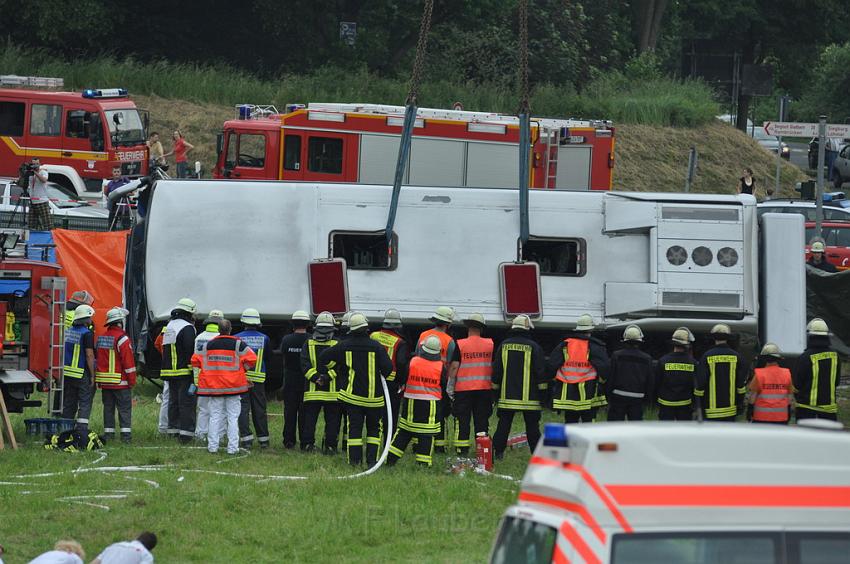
<point>821,157</point>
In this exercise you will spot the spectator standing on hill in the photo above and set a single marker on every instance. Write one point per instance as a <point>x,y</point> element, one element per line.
<point>747,184</point>
<point>155,149</point>
<point>180,149</point>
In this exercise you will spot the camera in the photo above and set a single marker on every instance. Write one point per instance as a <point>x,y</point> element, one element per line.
<point>25,171</point>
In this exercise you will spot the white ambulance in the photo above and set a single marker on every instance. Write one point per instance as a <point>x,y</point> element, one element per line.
<point>682,493</point>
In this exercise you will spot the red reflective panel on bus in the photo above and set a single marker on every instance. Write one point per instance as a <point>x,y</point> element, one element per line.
<point>328,286</point>
<point>521,289</point>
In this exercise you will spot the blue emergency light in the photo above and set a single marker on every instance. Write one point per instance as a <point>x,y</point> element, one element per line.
<point>555,435</point>
<point>105,93</point>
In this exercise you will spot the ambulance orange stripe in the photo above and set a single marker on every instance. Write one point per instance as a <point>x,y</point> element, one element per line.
<point>578,543</point>
<point>558,556</point>
<point>569,506</point>
<point>600,491</point>
<point>730,496</point>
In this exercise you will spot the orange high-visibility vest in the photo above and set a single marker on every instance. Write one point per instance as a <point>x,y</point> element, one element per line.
<point>476,364</point>
<point>423,379</point>
<point>223,362</point>
<point>771,403</point>
<point>445,341</point>
<point>576,367</point>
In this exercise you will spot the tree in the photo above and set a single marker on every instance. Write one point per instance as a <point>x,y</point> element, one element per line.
<point>649,15</point>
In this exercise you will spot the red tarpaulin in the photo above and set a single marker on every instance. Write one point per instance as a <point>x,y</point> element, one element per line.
<point>94,262</point>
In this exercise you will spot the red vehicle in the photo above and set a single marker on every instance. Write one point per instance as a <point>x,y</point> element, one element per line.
<point>87,132</point>
<point>454,148</point>
<point>836,237</point>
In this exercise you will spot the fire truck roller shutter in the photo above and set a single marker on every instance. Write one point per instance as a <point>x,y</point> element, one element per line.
<point>374,152</point>
<point>492,165</point>
<point>573,168</point>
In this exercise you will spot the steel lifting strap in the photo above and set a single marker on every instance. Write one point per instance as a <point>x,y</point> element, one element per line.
<point>409,115</point>
<point>524,124</point>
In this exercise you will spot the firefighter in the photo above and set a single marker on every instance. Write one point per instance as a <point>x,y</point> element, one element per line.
<point>254,402</point>
<point>115,374</point>
<point>78,298</point>
<point>771,389</point>
<point>223,363</point>
<point>399,352</point>
<point>519,377</point>
<point>293,379</point>
<point>675,379</point>
<point>579,364</point>
<point>471,390</point>
<point>419,418</point>
<point>816,375</point>
<point>178,346</point>
<point>202,425</point>
<point>360,363</point>
<point>79,369</point>
<point>320,394</point>
<point>449,354</point>
<point>342,334</point>
<point>631,380</point>
<point>818,258</point>
<point>721,378</point>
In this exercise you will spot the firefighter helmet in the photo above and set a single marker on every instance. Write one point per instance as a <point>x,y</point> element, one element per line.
<point>585,323</point>
<point>721,329</point>
<point>301,315</point>
<point>633,333</point>
<point>818,247</point>
<point>357,321</point>
<point>186,304</point>
<point>81,297</point>
<point>817,326</point>
<point>83,312</point>
<point>250,317</point>
<point>771,349</point>
<point>475,320</point>
<point>346,317</point>
<point>683,336</point>
<point>431,345</point>
<point>115,314</point>
<point>444,314</point>
<point>325,321</point>
<point>392,318</point>
<point>522,322</point>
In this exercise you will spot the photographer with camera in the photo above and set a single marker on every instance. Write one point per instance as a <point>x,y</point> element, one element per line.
<point>36,180</point>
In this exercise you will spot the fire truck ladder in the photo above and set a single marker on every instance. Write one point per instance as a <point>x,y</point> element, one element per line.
<point>56,287</point>
<point>550,161</point>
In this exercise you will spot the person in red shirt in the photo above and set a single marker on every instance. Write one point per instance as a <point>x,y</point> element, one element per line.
<point>115,374</point>
<point>180,149</point>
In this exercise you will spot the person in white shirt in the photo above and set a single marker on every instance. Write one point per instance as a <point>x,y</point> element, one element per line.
<point>64,552</point>
<point>39,216</point>
<point>133,552</point>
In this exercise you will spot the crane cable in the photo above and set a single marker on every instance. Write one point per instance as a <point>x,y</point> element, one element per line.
<point>409,115</point>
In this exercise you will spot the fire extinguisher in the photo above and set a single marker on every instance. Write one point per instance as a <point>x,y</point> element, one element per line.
<point>484,451</point>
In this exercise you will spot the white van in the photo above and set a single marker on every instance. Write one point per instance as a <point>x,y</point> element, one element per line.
<point>647,493</point>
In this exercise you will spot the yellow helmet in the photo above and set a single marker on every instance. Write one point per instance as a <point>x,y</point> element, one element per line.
<point>817,326</point>
<point>818,247</point>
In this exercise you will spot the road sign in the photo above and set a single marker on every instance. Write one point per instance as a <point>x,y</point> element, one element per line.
<point>796,129</point>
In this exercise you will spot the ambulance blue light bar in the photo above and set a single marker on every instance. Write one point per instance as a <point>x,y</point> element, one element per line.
<point>105,93</point>
<point>555,435</point>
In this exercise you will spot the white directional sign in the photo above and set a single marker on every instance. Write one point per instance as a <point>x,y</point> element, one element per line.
<point>794,129</point>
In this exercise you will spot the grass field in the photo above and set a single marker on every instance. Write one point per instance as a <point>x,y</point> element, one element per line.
<point>248,508</point>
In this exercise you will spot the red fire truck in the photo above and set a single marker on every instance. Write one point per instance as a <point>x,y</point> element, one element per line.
<point>453,148</point>
<point>85,133</point>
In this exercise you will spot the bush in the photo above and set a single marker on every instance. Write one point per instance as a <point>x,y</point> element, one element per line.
<point>827,90</point>
<point>640,95</point>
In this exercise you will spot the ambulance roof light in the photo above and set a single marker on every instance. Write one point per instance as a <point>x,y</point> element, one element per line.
<point>555,435</point>
<point>105,93</point>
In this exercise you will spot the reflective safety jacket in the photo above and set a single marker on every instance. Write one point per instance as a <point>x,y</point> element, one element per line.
<point>425,379</point>
<point>476,365</point>
<point>78,338</point>
<point>178,346</point>
<point>69,318</point>
<point>772,388</point>
<point>815,378</point>
<point>398,351</point>
<point>309,362</point>
<point>721,382</point>
<point>259,343</point>
<point>359,363</point>
<point>223,362</point>
<point>448,346</point>
<point>209,333</point>
<point>115,368</point>
<point>632,377</point>
<point>519,372</point>
<point>579,366</point>
<point>675,378</point>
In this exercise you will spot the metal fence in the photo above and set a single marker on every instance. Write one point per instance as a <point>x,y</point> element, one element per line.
<point>19,221</point>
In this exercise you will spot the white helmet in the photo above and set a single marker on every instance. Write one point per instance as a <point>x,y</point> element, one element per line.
<point>818,247</point>
<point>250,317</point>
<point>721,329</point>
<point>475,320</point>
<point>444,314</point>
<point>357,321</point>
<point>115,314</point>
<point>187,304</point>
<point>682,336</point>
<point>523,322</point>
<point>816,326</point>
<point>392,318</point>
<point>325,321</point>
<point>431,345</point>
<point>301,315</point>
<point>345,319</point>
<point>83,312</point>
<point>633,333</point>
<point>771,349</point>
<point>585,323</point>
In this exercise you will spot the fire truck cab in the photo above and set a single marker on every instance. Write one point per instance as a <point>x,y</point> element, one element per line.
<point>85,133</point>
<point>642,493</point>
<point>450,148</point>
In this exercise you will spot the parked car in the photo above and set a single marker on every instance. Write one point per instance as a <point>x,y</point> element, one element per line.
<point>835,207</point>
<point>833,144</point>
<point>770,142</point>
<point>67,210</point>
<point>836,237</point>
<point>841,167</point>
